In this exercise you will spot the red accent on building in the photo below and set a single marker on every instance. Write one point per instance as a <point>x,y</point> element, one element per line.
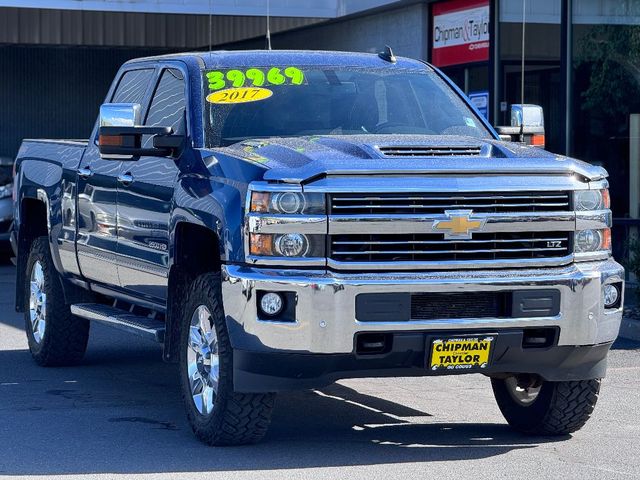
<point>464,53</point>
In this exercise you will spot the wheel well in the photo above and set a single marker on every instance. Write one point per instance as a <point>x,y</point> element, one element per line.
<point>33,214</point>
<point>34,218</point>
<point>196,251</point>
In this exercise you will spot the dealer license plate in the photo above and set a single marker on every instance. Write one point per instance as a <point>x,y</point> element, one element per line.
<point>460,353</point>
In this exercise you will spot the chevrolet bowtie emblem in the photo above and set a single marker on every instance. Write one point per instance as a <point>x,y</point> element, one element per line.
<point>458,224</point>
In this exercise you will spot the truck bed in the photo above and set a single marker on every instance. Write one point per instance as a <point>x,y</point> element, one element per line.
<point>41,162</point>
<point>63,141</point>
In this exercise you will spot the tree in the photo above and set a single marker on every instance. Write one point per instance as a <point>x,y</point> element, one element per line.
<point>613,54</point>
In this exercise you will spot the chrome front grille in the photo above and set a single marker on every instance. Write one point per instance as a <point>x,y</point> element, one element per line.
<point>449,230</point>
<point>434,203</point>
<point>435,248</point>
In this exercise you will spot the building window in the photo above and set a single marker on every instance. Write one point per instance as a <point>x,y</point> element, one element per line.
<point>606,88</point>
<point>542,75</point>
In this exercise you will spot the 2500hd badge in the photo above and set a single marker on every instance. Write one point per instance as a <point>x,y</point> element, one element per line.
<point>280,220</point>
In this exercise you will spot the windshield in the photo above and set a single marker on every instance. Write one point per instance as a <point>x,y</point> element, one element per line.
<point>290,102</point>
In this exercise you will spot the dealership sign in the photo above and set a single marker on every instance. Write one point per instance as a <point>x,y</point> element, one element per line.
<point>460,32</point>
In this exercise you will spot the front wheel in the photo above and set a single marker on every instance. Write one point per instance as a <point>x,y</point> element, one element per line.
<point>218,415</point>
<point>538,407</point>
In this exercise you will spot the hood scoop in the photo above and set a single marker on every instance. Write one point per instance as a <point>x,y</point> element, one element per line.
<point>435,151</point>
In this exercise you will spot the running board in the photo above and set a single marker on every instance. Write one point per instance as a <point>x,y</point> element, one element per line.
<point>115,317</point>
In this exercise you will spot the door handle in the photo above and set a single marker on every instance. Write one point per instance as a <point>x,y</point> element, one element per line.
<point>84,172</point>
<point>125,178</point>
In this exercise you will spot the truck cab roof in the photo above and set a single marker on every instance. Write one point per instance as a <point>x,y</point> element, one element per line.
<point>215,59</point>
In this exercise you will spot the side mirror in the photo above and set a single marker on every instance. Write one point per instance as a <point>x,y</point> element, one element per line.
<point>120,114</point>
<point>120,134</point>
<point>527,116</point>
<point>527,125</point>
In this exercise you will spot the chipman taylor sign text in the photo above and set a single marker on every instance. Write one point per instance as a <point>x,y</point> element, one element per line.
<point>460,32</point>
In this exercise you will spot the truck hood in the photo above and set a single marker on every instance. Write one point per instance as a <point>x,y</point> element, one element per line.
<point>303,159</point>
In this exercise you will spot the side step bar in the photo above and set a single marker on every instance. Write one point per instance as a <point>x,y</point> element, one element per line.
<point>115,317</point>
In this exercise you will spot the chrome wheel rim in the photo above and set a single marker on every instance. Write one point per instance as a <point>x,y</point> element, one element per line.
<point>37,302</point>
<point>523,395</point>
<point>203,361</point>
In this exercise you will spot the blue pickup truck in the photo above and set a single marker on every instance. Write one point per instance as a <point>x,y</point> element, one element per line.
<point>280,220</point>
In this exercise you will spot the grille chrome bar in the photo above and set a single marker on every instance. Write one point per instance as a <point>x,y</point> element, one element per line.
<point>442,207</point>
<point>434,247</point>
<point>497,222</point>
<point>439,242</point>
<point>501,202</point>
<point>455,197</point>
<point>440,252</point>
<point>365,265</point>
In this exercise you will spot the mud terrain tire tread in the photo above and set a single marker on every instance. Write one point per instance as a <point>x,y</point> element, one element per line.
<point>237,418</point>
<point>560,409</point>
<point>65,339</point>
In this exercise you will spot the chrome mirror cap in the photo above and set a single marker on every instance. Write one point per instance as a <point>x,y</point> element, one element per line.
<point>527,116</point>
<point>120,114</point>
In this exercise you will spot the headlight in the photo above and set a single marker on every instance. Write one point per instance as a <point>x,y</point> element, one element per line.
<point>286,245</point>
<point>584,200</point>
<point>588,241</point>
<point>287,203</point>
<point>292,245</point>
<point>286,226</point>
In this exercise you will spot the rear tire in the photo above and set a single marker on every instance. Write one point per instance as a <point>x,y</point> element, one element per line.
<point>55,336</point>
<point>553,408</point>
<point>218,415</point>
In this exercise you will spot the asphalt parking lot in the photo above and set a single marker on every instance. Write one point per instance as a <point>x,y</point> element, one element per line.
<point>120,415</point>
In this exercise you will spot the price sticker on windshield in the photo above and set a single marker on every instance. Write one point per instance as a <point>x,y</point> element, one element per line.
<point>239,95</point>
<point>254,77</point>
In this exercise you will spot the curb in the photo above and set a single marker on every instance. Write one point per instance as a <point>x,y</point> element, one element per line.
<point>630,329</point>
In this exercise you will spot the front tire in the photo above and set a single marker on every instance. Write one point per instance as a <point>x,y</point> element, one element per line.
<point>218,415</point>
<point>55,336</point>
<point>539,407</point>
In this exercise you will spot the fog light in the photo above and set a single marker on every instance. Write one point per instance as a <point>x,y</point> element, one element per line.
<point>271,304</point>
<point>611,296</point>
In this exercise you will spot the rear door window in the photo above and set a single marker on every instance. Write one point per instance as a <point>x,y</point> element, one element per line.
<point>169,103</point>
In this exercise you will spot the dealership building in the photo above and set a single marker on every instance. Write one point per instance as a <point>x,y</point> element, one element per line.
<point>582,59</point>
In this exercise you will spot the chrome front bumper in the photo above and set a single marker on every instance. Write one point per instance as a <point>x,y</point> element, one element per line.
<point>325,309</point>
